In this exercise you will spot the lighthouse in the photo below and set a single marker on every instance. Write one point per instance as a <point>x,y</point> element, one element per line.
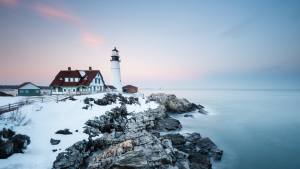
<point>115,74</point>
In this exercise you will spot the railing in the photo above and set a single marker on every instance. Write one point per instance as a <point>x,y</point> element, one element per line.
<point>31,100</point>
<point>56,98</point>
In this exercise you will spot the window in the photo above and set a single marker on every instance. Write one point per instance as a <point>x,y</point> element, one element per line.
<point>26,91</point>
<point>21,91</point>
<point>60,78</point>
<point>59,89</point>
<point>54,89</point>
<point>76,79</point>
<point>73,90</point>
<point>66,79</point>
<point>37,91</point>
<point>71,79</point>
<point>65,90</point>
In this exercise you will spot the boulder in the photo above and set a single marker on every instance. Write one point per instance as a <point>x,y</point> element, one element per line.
<point>174,104</point>
<point>13,145</point>
<point>65,132</point>
<point>208,147</point>
<point>188,115</point>
<point>199,161</point>
<point>167,124</point>
<point>131,159</point>
<point>177,139</point>
<point>54,142</point>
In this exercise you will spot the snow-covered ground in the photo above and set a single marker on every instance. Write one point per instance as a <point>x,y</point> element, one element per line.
<point>51,118</point>
<point>9,100</point>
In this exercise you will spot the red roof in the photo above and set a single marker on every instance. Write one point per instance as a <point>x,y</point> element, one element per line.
<point>129,86</point>
<point>24,85</point>
<point>90,74</point>
<point>109,86</point>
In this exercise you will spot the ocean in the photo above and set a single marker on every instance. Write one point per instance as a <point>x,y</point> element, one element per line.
<point>257,129</point>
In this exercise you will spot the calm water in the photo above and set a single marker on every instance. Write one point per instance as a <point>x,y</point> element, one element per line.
<point>255,128</point>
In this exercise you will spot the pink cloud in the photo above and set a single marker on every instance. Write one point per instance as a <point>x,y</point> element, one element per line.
<point>10,3</point>
<point>55,13</point>
<point>90,38</point>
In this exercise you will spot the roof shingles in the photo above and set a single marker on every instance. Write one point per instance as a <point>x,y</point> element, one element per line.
<point>89,74</point>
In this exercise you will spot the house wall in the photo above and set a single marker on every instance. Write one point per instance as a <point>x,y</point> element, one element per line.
<point>98,86</point>
<point>29,90</point>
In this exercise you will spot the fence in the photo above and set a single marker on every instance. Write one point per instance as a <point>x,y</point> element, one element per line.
<point>56,98</point>
<point>31,100</point>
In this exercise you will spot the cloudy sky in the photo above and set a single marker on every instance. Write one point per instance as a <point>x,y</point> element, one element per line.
<point>170,44</point>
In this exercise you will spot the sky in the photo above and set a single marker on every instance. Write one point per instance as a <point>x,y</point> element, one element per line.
<point>191,44</point>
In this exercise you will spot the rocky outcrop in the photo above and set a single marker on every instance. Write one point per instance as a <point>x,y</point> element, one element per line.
<point>174,104</point>
<point>11,143</point>
<point>132,140</point>
<point>108,99</point>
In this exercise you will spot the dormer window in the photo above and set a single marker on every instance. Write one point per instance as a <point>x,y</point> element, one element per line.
<point>86,78</point>
<point>60,78</point>
<point>66,79</point>
<point>76,79</point>
<point>71,79</point>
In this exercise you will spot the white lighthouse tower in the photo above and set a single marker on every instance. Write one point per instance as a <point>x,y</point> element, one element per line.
<point>115,74</point>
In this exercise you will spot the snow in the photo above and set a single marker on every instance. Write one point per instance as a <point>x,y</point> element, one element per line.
<point>51,118</point>
<point>82,73</point>
<point>4,100</point>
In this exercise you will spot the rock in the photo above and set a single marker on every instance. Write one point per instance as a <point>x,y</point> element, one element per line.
<point>199,161</point>
<point>131,159</point>
<point>54,142</point>
<point>54,150</point>
<point>7,133</point>
<point>76,130</point>
<point>65,132</point>
<point>202,111</point>
<point>208,147</point>
<point>86,107</point>
<point>168,124</point>
<point>182,164</point>
<point>13,145</point>
<point>177,139</point>
<point>106,158</point>
<point>86,101</point>
<point>217,157</point>
<point>174,104</point>
<point>188,115</point>
<point>192,137</point>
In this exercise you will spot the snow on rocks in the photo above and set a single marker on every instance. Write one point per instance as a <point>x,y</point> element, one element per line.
<point>174,104</point>
<point>120,131</point>
<point>11,143</point>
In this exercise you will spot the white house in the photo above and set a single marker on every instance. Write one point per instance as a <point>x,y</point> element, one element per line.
<point>77,81</point>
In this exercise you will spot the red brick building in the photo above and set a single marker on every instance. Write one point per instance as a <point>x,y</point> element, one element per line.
<point>130,89</point>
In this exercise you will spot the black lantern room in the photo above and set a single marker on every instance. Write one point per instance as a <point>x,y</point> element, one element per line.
<point>115,55</point>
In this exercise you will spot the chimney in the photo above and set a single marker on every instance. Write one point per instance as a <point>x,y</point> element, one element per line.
<point>90,68</point>
<point>69,69</point>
